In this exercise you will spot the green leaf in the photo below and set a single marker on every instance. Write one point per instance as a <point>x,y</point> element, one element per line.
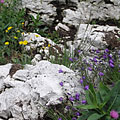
<point>85,115</point>
<point>99,98</point>
<point>86,106</point>
<point>88,98</point>
<point>95,116</point>
<point>91,99</point>
<point>114,101</point>
<point>104,90</point>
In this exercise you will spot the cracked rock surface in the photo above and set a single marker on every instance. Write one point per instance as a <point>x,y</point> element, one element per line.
<point>24,95</point>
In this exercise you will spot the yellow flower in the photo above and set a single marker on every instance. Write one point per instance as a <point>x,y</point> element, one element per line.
<point>6,43</point>
<point>20,42</point>
<point>15,37</point>
<point>44,47</point>
<point>6,31</point>
<point>22,33</point>
<point>25,42</point>
<point>10,28</point>
<point>37,36</point>
<point>49,45</point>
<point>22,23</point>
<point>18,30</point>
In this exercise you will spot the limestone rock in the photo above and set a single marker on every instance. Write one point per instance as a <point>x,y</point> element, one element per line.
<point>34,88</point>
<point>95,36</point>
<point>47,10</point>
<point>88,11</point>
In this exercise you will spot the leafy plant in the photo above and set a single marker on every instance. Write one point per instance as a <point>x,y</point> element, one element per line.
<point>100,102</point>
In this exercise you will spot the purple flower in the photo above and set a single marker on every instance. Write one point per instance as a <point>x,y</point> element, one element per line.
<point>104,56</point>
<point>59,118</point>
<point>79,51</point>
<point>119,65</point>
<point>60,71</point>
<point>89,68</point>
<point>111,61</point>
<point>84,102</point>
<point>67,107</point>
<point>118,70</point>
<point>77,114</point>
<point>81,81</point>
<point>119,52</point>
<point>82,68</point>
<point>97,51</point>
<point>60,99</point>
<point>74,118</point>
<point>111,65</point>
<point>83,77</point>
<point>2,1</point>
<point>75,58</point>
<point>114,114</point>
<point>110,56</point>
<point>71,98</point>
<point>77,96</point>
<point>86,87</point>
<point>101,74</point>
<point>71,59</point>
<point>106,50</point>
<point>61,83</point>
<point>68,93</point>
<point>94,59</point>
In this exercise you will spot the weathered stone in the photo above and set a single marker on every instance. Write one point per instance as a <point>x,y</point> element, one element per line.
<point>95,37</point>
<point>36,86</point>
<point>87,12</point>
<point>47,10</point>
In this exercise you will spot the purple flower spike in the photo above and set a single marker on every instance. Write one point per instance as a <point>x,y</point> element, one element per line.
<point>89,68</point>
<point>101,74</point>
<point>61,83</point>
<point>60,71</point>
<point>111,65</point>
<point>71,98</point>
<point>84,101</point>
<point>86,87</point>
